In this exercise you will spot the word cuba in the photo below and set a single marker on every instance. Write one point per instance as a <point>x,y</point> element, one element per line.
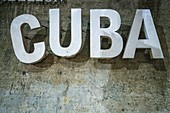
<point>142,15</point>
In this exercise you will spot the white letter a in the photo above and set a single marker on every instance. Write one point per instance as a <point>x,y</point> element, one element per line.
<point>151,40</point>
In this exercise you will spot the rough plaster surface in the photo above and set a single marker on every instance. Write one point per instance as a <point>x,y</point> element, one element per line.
<point>81,84</point>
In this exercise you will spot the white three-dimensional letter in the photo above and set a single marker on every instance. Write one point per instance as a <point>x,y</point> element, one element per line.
<point>151,40</point>
<point>96,32</point>
<point>76,33</point>
<point>17,39</point>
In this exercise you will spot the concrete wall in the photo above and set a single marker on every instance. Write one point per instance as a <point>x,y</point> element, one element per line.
<point>82,84</point>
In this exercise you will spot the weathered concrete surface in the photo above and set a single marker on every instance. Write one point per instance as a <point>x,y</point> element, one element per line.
<point>81,84</point>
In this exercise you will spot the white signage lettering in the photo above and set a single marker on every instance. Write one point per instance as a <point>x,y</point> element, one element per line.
<point>17,39</point>
<point>133,42</point>
<point>96,32</point>
<point>76,33</point>
<point>151,40</point>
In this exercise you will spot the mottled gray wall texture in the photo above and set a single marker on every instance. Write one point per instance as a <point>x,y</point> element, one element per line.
<point>82,84</point>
